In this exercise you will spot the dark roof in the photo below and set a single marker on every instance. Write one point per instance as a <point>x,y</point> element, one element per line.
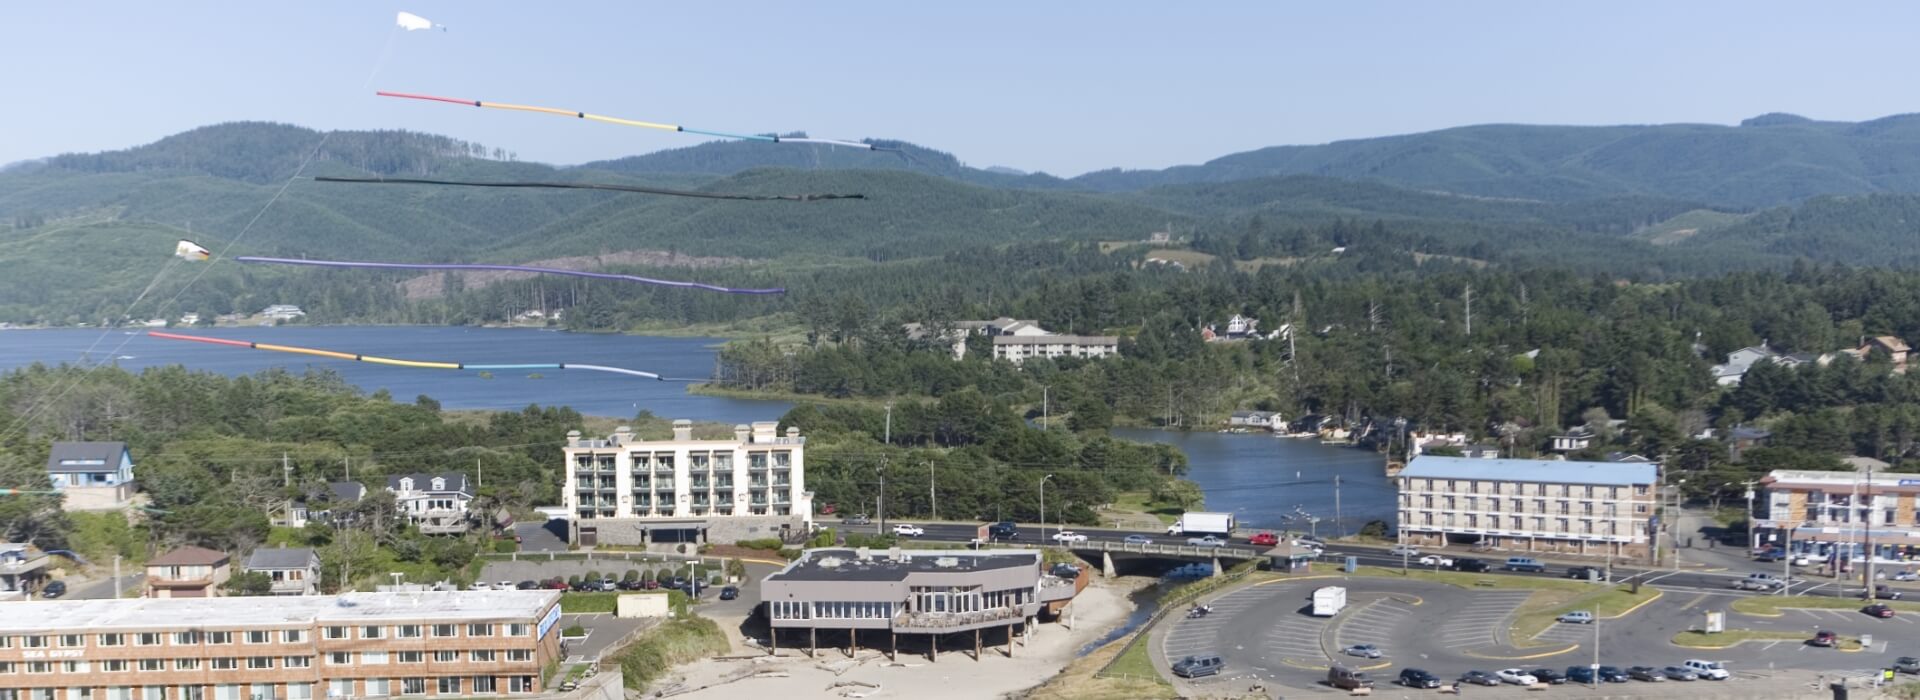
<point>280,558</point>
<point>846,564</point>
<point>346,491</point>
<point>189,556</point>
<point>72,457</point>
<point>1743,433</point>
<point>456,482</point>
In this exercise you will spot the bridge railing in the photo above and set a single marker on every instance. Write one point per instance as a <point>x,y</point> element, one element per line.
<point>1169,549</point>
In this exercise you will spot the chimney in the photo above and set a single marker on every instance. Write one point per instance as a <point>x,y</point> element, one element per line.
<point>573,438</point>
<point>763,431</point>
<point>622,435</point>
<point>740,432</point>
<point>793,431</point>
<point>683,429</point>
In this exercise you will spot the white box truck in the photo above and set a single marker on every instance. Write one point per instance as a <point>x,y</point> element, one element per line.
<point>1202,524</point>
<point>1329,601</point>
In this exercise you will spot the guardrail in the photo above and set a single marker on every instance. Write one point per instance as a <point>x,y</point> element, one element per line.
<point>1178,550</point>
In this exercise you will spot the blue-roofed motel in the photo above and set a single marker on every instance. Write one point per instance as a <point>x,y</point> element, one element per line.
<point>1529,505</point>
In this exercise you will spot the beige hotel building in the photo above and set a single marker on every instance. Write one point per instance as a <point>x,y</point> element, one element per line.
<point>355,645</point>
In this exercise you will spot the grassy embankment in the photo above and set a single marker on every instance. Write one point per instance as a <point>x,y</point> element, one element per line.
<point>1695,639</point>
<point>682,638</point>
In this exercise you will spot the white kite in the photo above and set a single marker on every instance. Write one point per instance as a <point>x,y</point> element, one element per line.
<point>410,21</point>
<point>191,251</point>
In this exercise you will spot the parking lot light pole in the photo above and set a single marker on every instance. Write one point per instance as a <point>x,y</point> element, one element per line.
<point>1043,507</point>
<point>1594,680</point>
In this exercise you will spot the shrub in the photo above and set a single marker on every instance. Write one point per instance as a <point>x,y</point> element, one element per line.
<point>767,544</point>
<point>593,575</point>
<point>573,580</point>
<point>632,575</point>
<point>505,546</point>
<point>574,631</point>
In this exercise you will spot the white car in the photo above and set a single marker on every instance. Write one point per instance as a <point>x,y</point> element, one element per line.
<point>1208,541</point>
<point>1515,676</point>
<point>1907,576</point>
<point>1309,544</point>
<point>1404,550</point>
<point>1436,560</point>
<point>1577,617</point>
<point>1068,536</point>
<point>909,529</point>
<point>480,586</point>
<point>1709,670</point>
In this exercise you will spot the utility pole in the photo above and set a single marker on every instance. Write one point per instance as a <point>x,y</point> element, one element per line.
<point>1469,297</point>
<point>880,502</point>
<point>480,473</point>
<point>1043,407</point>
<point>1868,581</point>
<point>888,439</point>
<point>1753,534</point>
<point>1338,524</point>
<point>1043,507</point>
<point>286,471</point>
<point>116,577</point>
<point>932,495</point>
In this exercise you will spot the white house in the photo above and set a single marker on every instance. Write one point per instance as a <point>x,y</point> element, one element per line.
<point>294,570</point>
<point>1017,349</point>
<point>1579,438</point>
<point>91,475</point>
<point>1254,419</point>
<point>282,312</point>
<point>437,503</point>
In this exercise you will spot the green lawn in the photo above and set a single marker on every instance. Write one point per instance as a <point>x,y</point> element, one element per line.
<point>1134,663</point>
<point>1771,605</point>
<point>574,603</point>
<point>1720,640</point>
<point>1471,580</point>
<point>1141,502</point>
<point>1607,602</point>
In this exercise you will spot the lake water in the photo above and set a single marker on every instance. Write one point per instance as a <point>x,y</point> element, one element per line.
<point>1267,482</point>
<point>591,393</point>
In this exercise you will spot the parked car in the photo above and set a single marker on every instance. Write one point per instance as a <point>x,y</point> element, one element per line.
<point>1524,564</point>
<point>526,585</point>
<point>1436,560</point>
<point>1263,539</point>
<point>1646,673</point>
<point>1065,570</point>
<point>653,584</point>
<point>1470,565</point>
<point>480,586</point>
<point>909,530</point>
<point>1138,539</point>
<point>54,589</point>
<point>1579,674</point>
<point>1907,664</point>
<point>1208,541</point>
<point>677,582</point>
<point>1348,679</point>
<point>1577,617</point>
<point>1515,676</point>
<point>1365,651</point>
<point>1707,670</point>
<point>1885,592</point>
<point>1549,676</point>
<point>554,584</point>
<point>1908,575</point>
<point>1879,610</point>
<point>1404,550</point>
<point>1770,555</point>
<point>1069,536</point>
<point>857,519</point>
<point>1680,673</point>
<point>729,593</point>
<point>1417,678</point>
<point>1479,678</point>
<point>633,585</point>
<point>1585,572</point>
<point>1613,674</point>
<point>1824,638</point>
<point>1197,666</point>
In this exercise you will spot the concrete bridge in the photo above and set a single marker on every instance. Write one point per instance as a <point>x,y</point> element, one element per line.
<point>1212,555</point>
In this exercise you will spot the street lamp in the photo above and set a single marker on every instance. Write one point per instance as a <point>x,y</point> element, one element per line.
<point>1043,506</point>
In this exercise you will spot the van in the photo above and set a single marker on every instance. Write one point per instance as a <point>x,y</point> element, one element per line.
<point>1525,564</point>
<point>1197,666</point>
<point>1347,679</point>
<point>1706,669</point>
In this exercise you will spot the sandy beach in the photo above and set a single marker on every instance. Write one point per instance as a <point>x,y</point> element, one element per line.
<point>956,676</point>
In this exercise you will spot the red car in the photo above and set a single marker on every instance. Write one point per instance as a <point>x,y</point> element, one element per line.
<point>1824,638</point>
<point>554,584</point>
<point>1878,610</point>
<point>1264,539</point>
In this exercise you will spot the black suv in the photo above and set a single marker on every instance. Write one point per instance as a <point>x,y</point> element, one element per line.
<point>1472,565</point>
<point>1584,572</point>
<point>1004,530</point>
<point>1548,676</point>
<point>54,589</point>
<point>1416,678</point>
<point>1613,674</point>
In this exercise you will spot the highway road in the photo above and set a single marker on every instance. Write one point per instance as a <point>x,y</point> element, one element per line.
<point>1684,579</point>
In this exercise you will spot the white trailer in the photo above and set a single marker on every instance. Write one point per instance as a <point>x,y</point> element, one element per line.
<point>1203,524</point>
<point>1329,601</point>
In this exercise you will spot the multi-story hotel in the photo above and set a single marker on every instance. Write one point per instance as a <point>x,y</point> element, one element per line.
<point>1834,515</point>
<point>1529,505</point>
<point>477,643</point>
<point>626,491</point>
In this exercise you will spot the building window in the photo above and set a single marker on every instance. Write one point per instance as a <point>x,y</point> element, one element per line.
<point>444,630</point>
<point>259,662</point>
<point>410,657</point>
<point>223,663</point>
<point>76,667</point>
<point>186,639</point>
<point>521,629</point>
<point>151,692</point>
<point>293,636</point>
<point>109,666</point>
<point>413,686</point>
<point>112,640</point>
<point>193,692</point>
<point>39,641</point>
<point>373,658</point>
<point>448,685</point>
<point>217,637</point>
<point>297,662</point>
<point>226,691</point>
<point>519,654</point>
<point>480,630</point>
<point>118,692</point>
<point>407,631</point>
<point>339,658</point>
<point>259,636</point>
<point>73,640</point>
<point>340,688</point>
<point>481,656</point>
<point>378,687</point>
<point>373,632</point>
<point>153,664</point>
<point>335,633</point>
<point>42,667</point>
<point>446,656</point>
<point>299,691</point>
<point>520,684</point>
<point>186,664</point>
<point>483,684</point>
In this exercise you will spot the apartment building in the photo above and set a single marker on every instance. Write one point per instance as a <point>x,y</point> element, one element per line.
<point>1019,348</point>
<point>1834,515</point>
<point>914,592</point>
<point>622,490</point>
<point>1529,505</point>
<point>433,644</point>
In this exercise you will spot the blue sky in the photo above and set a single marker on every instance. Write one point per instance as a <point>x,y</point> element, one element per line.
<point>1064,87</point>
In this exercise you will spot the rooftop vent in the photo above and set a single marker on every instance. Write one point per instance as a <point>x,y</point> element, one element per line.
<point>894,554</point>
<point>683,429</point>
<point>946,562</point>
<point>864,554</point>
<point>831,562</point>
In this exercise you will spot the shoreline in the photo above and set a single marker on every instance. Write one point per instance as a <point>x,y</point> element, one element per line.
<point>954,676</point>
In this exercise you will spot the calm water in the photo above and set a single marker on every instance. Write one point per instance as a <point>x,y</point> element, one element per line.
<point>1268,482</point>
<point>592,393</point>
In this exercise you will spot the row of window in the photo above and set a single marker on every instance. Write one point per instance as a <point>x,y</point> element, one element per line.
<point>339,688</point>
<point>222,663</point>
<point>1516,505</point>
<point>1509,488</point>
<point>477,629</point>
<point>1516,523</point>
<point>379,658</point>
<point>150,639</point>
<point>699,462</point>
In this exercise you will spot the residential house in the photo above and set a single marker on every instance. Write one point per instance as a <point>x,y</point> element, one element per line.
<point>22,571</point>
<point>1254,419</point>
<point>1619,457</point>
<point>190,319</point>
<point>319,505</point>
<point>437,503</point>
<point>294,570</point>
<point>91,475</point>
<point>1739,361</point>
<point>1160,237</point>
<point>188,572</point>
<point>1742,438</point>
<point>1895,348</point>
<point>1481,451</point>
<point>1018,348</point>
<point>1579,438</point>
<point>1866,464</point>
<point>282,312</point>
